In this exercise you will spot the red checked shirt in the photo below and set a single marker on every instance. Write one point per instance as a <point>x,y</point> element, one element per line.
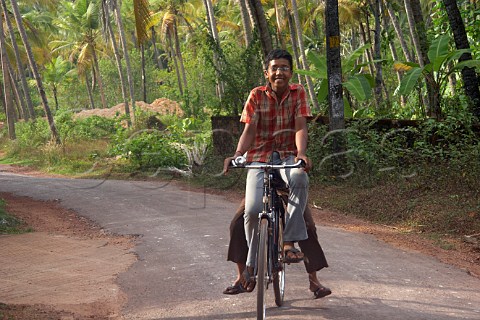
<point>275,120</point>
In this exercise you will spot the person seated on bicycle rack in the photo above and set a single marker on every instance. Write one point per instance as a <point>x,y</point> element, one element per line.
<point>314,259</point>
<point>275,117</point>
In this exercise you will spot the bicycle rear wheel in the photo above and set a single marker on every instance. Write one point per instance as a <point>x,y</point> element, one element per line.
<point>262,269</point>
<point>279,271</point>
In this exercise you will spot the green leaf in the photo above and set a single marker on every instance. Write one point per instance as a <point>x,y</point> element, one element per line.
<point>359,87</point>
<point>316,74</point>
<point>319,62</point>
<point>349,64</point>
<point>347,108</point>
<point>323,91</point>
<point>467,64</point>
<point>409,80</point>
<point>438,48</point>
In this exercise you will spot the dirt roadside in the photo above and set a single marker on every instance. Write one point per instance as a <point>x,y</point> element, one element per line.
<point>38,263</point>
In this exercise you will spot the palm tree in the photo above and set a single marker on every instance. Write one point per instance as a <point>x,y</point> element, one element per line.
<point>109,34</point>
<point>10,112</point>
<point>247,25</point>
<point>123,41</point>
<point>142,22</point>
<point>36,74</point>
<point>261,24</point>
<point>214,32</point>
<point>303,58</point>
<point>30,112</point>
<point>469,76</point>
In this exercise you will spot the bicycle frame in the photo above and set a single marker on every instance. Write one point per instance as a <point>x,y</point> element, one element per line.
<point>273,264</point>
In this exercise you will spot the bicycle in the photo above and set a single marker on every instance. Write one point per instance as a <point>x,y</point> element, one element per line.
<point>270,266</point>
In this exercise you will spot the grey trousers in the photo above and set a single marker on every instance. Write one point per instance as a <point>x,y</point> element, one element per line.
<point>295,229</point>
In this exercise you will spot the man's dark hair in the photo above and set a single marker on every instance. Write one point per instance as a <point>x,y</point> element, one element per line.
<point>278,54</point>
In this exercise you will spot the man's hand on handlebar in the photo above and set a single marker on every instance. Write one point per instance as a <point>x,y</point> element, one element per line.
<point>308,162</point>
<point>226,164</point>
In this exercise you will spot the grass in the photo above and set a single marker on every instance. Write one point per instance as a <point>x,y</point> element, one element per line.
<point>9,224</point>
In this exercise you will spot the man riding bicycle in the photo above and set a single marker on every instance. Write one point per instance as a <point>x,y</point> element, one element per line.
<point>275,117</point>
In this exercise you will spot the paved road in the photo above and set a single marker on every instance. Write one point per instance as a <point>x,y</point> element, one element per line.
<point>181,268</point>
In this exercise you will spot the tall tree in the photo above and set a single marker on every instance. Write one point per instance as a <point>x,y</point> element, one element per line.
<point>246,23</point>
<point>109,34</point>
<point>142,23</point>
<point>30,114</point>
<point>36,74</point>
<point>261,25</point>
<point>303,58</point>
<point>469,76</point>
<point>334,67</point>
<point>123,40</point>
<point>212,23</point>
<point>7,94</point>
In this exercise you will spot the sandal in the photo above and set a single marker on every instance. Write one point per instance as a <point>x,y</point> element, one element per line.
<point>234,289</point>
<point>248,281</point>
<point>321,292</point>
<point>293,255</point>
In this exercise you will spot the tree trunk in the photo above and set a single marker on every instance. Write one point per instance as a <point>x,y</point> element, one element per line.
<point>303,58</point>
<point>89,91</point>
<point>30,114</point>
<point>123,41</point>
<point>335,89</point>
<point>216,61</point>
<point>156,55</point>
<point>144,73</point>
<point>175,63</point>
<point>334,67</point>
<point>399,32</point>
<point>7,94</point>
<point>99,78</point>
<point>36,75</point>
<point>179,56</point>
<point>247,25</point>
<point>118,60</point>
<point>262,25</point>
<point>469,76</point>
<point>393,50</point>
<point>375,7</point>
<point>280,39</point>
<point>433,89</point>
<point>293,38</point>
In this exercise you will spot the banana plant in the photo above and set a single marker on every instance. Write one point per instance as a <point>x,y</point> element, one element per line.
<point>358,84</point>
<point>442,64</point>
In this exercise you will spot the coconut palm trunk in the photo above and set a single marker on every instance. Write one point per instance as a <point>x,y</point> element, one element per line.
<point>303,58</point>
<point>36,74</point>
<point>30,114</point>
<point>7,94</point>
<point>118,60</point>
<point>246,23</point>
<point>123,41</point>
<point>216,61</point>
<point>262,26</point>
<point>469,76</point>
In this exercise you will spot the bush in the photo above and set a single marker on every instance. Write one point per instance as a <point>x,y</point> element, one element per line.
<point>149,149</point>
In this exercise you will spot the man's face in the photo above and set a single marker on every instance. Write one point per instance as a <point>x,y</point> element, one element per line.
<point>278,74</point>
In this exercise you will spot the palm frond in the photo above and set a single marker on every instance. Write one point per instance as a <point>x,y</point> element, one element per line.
<point>142,19</point>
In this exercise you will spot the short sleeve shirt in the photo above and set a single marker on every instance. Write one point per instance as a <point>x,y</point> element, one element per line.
<point>274,120</point>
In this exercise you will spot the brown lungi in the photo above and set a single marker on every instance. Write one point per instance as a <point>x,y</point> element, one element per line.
<point>237,249</point>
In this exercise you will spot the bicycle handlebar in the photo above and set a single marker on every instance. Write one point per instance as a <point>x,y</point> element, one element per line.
<point>241,162</point>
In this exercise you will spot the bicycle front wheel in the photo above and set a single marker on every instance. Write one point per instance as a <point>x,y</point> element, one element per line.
<point>262,269</point>
<point>279,270</point>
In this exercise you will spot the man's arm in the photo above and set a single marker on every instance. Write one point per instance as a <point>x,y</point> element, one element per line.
<point>244,143</point>
<point>301,140</point>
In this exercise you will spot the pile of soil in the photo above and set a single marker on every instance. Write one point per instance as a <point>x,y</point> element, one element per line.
<point>162,106</point>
